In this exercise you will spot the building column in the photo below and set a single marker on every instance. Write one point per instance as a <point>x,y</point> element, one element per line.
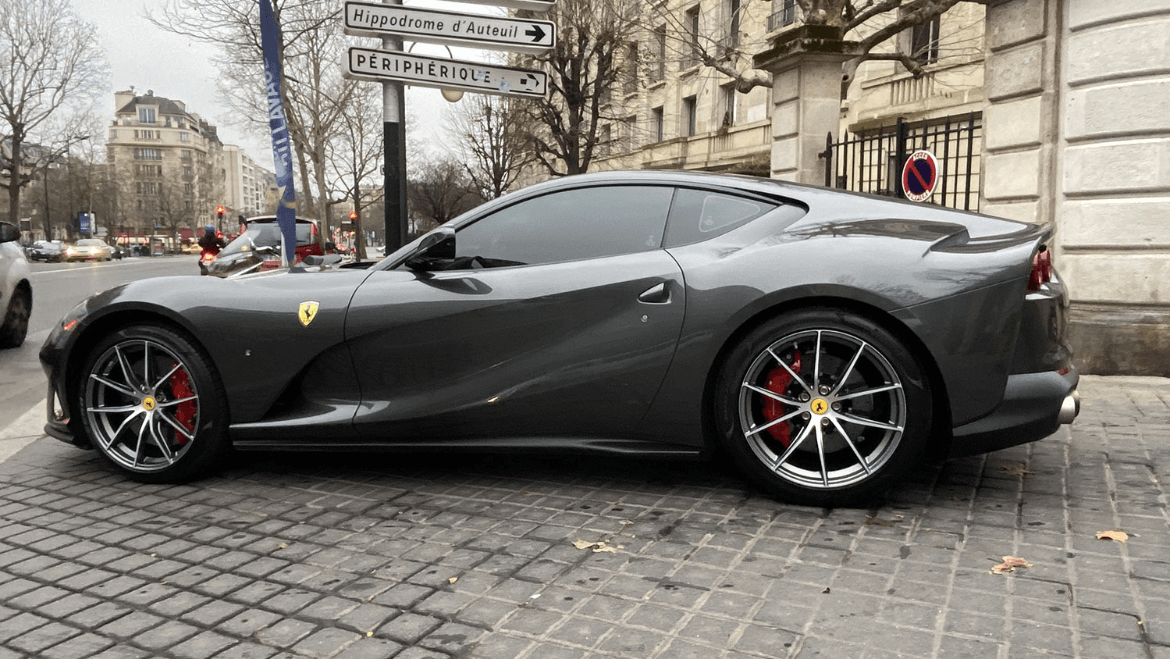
<point>806,99</point>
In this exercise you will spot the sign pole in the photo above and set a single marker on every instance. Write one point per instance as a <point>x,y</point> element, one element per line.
<point>394,147</point>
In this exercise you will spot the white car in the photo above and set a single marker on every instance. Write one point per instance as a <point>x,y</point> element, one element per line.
<point>15,288</point>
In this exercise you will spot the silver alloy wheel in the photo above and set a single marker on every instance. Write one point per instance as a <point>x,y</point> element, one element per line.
<point>823,409</point>
<point>142,404</point>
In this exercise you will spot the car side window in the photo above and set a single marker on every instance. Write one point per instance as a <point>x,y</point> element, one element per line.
<point>570,225</point>
<point>698,215</point>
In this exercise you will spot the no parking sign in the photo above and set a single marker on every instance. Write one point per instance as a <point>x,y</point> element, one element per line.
<point>920,175</point>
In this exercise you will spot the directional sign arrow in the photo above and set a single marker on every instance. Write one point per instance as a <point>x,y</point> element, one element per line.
<point>371,64</point>
<point>447,27</point>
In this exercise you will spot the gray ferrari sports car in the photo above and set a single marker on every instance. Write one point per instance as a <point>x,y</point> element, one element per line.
<point>825,341</point>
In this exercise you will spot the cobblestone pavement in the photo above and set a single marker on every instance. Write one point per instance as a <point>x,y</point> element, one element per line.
<point>408,557</point>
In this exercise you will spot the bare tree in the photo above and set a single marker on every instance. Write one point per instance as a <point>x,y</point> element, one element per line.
<point>585,69</point>
<point>875,21</point>
<point>441,191</point>
<point>314,93</point>
<point>355,153</point>
<point>51,70</point>
<point>495,136</point>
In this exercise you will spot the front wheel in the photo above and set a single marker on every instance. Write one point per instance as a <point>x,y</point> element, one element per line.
<point>823,407</point>
<point>14,323</point>
<point>152,404</point>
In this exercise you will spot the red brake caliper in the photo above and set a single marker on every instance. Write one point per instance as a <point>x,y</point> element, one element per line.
<point>778,380</point>
<point>184,412</point>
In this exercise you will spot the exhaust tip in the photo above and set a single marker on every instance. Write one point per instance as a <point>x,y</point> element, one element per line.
<point>1070,408</point>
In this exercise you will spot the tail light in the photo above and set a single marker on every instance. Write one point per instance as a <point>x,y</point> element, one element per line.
<point>1041,269</point>
<point>209,256</point>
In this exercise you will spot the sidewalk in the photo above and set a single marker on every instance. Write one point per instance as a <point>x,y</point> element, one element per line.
<point>474,556</point>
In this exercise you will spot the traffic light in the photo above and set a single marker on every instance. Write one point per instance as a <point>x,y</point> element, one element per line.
<point>219,212</point>
<point>353,216</point>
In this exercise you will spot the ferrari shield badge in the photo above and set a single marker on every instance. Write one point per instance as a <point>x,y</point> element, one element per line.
<point>307,312</point>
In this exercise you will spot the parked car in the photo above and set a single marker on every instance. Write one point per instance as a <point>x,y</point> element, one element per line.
<point>825,341</point>
<point>260,244</point>
<point>46,250</point>
<point>15,288</point>
<point>89,249</point>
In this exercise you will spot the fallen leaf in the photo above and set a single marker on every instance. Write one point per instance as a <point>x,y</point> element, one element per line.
<point>283,545</point>
<point>825,591</point>
<point>1120,536</point>
<point>369,634</point>
<point>1017,471</point>
<point>598,546</point>
<point>625,522</point>
<point>1009,564</point>
<point>453,580</point>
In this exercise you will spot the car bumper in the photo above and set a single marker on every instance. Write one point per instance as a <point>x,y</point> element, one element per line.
<point>1034,406</point>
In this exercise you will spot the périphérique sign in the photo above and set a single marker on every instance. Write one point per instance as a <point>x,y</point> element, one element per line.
<point>367,19</point>
<point>441,73</point>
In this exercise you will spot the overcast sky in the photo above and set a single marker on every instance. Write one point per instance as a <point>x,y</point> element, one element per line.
<point>175,67</point>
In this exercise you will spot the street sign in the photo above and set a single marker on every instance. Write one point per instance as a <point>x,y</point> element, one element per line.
<point>370,64</point>
<point>534,5</point>
<point>365,19</point>
<point>920,175</point>
<point>83,222</point>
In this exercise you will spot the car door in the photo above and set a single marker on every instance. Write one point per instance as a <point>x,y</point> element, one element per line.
<point>567,332</point>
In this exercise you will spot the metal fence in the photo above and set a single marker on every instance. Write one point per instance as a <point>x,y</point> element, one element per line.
<point>872,160</point>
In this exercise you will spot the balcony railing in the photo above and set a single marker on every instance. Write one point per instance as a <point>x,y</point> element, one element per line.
<point>784,16</point>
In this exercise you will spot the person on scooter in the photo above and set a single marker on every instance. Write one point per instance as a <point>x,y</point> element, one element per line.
<point>211,242</point>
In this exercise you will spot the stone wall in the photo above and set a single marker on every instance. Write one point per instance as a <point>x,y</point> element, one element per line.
<point>1077,132</point>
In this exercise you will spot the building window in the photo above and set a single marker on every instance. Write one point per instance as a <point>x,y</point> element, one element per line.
<point>924,41</point>
<point>187,170</point>
<point>689,115</point>
<point>144,135</point>
<point>146,116</point>
<point>659,53</point>
<point>733,12</point>
<point>657,119</point>
<point>148,154</point>
<point>189,205</point>
<point>113,134</point>
<point>188,189</point>
<point>783,13</point>
<point>630,84</point>
<point>691,24</point>
<point>184,137</point>
<point>185,154</point>
<point>727,104</point>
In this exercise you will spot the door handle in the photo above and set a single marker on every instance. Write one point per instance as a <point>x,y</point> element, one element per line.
<point>656,294</point>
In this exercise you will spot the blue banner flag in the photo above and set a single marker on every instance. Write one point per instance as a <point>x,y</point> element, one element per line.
<point>286,210</point>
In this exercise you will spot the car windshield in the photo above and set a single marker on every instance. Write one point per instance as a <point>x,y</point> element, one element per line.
<point>265,234</point>
<point>89,242</point>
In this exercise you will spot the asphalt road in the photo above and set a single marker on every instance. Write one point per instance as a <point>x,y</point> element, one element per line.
<point>57,287</point>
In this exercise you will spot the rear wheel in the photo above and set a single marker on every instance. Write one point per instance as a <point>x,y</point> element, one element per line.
<point>823,407</point>
<point>152,404</point>
<point>14,326</point>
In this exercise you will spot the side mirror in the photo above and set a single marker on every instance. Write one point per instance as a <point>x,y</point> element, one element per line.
<point>437,245</point>
<point>9,232</point>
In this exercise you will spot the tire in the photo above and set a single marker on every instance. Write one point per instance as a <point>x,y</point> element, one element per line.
<point>153,405</point>
<point>15,325</point>
<point>838,437</point>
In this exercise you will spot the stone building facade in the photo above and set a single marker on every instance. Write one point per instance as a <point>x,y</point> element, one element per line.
<point>1078,135</point>
<point>167,163</point>
<point>245,185</point>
